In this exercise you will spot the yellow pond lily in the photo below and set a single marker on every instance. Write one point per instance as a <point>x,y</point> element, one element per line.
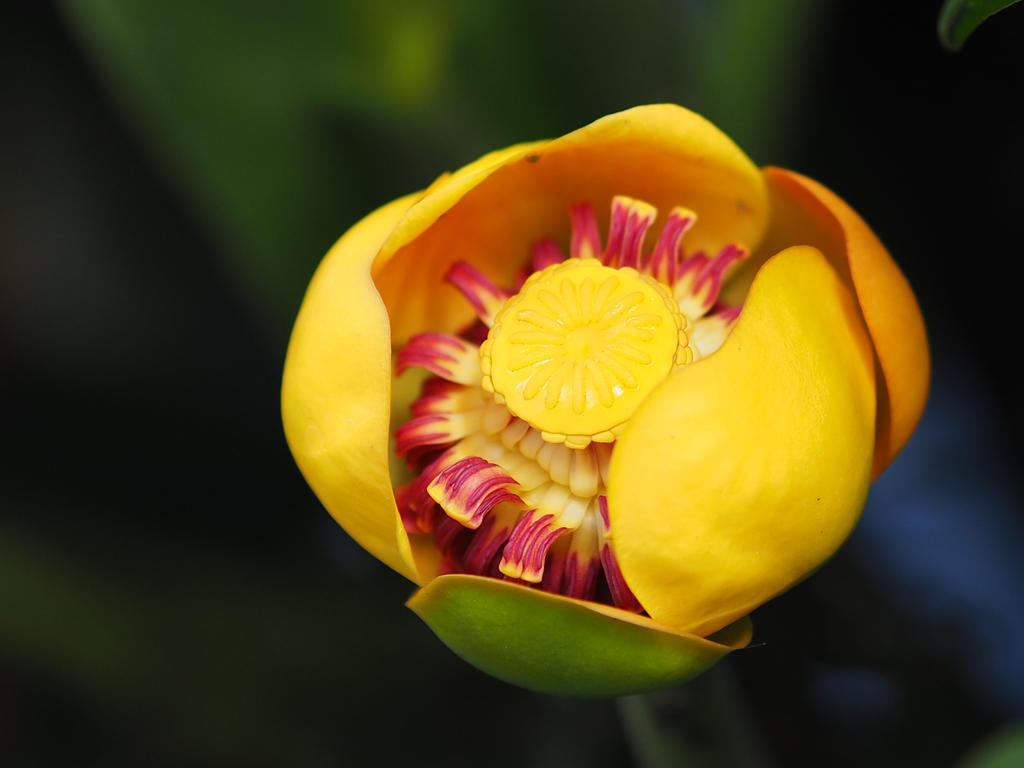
<point>602,396</point>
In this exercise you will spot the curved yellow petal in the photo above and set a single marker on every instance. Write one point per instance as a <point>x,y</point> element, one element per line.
<point>492,211</point>
<point>335,395</point>
<point>806,213</point>
<point>745,471</point>
<point>559,645</point>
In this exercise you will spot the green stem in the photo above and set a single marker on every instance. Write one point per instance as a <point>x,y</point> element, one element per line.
<point>651,744</point>
<point>703,724</point>
<point>735,731</point>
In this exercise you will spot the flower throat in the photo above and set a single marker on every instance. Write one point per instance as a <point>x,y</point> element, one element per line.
<point>511,439</point>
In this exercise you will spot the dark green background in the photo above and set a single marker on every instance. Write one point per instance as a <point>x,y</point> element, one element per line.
<point>172,593</point>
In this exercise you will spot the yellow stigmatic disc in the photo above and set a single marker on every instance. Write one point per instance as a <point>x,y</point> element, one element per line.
<point>577,350</point>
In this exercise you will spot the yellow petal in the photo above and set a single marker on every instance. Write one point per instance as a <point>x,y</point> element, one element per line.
<point>335,396</point>
<point>745,471</point>
<point>806,213</point>
<point>492,211</point>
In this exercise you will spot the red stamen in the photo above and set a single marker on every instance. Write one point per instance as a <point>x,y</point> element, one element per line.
<point>580,579</point>
<point>481,554</point>
<point>554,570</point>
<point>451,539</point>
<point>419,512</point>
<point>546,253</point>
<point>622,595</point>
<point>410,521</point>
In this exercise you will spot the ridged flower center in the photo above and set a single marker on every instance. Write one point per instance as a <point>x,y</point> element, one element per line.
<point>580,347</point>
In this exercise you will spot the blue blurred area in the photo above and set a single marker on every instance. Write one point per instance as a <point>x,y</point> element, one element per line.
<point>943,534</point>
<point>862,697</point>
<point>939,547</point>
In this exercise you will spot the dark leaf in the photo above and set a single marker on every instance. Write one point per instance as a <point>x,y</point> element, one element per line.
<point>959,18</point>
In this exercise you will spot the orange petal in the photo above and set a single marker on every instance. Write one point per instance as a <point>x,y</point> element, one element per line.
<point>490,212</point>
<point>335,395</point>
<point>806,213</point>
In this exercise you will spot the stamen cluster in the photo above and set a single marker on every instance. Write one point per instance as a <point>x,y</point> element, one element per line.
<point>511,439</point>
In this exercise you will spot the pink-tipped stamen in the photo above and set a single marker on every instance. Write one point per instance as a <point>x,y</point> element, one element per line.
<point>710,332</point>
<point>470,488</point>
<point>712,274</point>
<point>446,356</point>
<point>441,396</point>
<point>667,253</point>
<point>528,546</point>
<point>629,223</point>
<point>586,238</point>
<point>727,314</point>
<point>689,270</point>
<point>700,279</point>
<point>484,296</point>
<point>434,430</point>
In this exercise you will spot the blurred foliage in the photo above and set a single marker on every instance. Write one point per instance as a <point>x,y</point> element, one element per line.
<point>1004,750</point>
<point>283,128</point>
<point>183,661</point>
<point>959,18</point>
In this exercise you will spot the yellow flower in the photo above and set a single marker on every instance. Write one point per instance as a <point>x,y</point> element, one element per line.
<point>623,444</point>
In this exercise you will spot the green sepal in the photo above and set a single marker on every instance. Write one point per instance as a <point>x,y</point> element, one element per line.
<point>555,644</point>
